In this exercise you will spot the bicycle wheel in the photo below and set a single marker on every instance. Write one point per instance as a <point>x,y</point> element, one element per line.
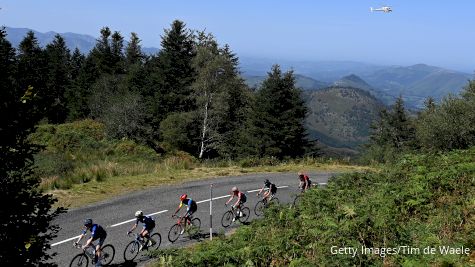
<point>194,227</point>
<point>174,232</point>
<point>274,201</point>
<point>227,218</point>
<point>246,212</point>
<point>79,260</point>
<point>131,251</point>
<point>107,254</point>
<point>296,201</point>
<point>158,240</point>
<point>259,208</point>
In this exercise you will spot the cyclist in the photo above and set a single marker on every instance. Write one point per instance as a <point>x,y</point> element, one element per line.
<point>305,182</point>
<point>97,233</point>
<point>191,208</point>
<point>148,225</point>
<point>241,199</point>
<point>270,190</point>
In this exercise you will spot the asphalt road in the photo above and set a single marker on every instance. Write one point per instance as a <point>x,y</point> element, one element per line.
<point>117,214</point>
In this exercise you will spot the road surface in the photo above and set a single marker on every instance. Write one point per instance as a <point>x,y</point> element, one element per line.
<point>117,214</point>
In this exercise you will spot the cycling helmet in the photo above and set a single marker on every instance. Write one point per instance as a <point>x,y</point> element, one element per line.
<point>266,181</point>
<point>183,197</point>
<point>139,213</point>
<point>235,189</point>
<point>87,222</point>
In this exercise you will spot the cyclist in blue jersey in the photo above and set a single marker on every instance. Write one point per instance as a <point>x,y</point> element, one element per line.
<point>97,233</point>
<point>191,208</point>
<point>148,225</point>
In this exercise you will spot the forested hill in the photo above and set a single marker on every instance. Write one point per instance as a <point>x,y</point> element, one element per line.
<point>341,116</point>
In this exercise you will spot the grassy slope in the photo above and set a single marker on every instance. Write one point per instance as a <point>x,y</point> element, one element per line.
<point>424,200</point>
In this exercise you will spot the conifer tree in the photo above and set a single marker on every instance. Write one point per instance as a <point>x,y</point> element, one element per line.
<point>26,213</point>
<point>58,79</point>
<point>279,114</point>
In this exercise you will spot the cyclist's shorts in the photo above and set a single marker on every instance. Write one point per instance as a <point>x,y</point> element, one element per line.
<point>149,227</point>
<point>273,190</point>
<point>192,209</point>
<point>243,199</point>
<point>101,240</point>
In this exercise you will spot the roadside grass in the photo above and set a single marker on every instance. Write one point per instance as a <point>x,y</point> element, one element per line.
<point>80,165</point>
<point>107,185</point>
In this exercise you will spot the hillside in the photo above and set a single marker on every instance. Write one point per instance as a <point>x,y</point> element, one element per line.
<point>302,81</point>
<point>416,83</point>
<point>341,116</point>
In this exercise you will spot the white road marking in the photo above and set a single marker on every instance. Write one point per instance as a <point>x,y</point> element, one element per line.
<point>131,220</point>
<point>155,213</point>
<point>64,241</point>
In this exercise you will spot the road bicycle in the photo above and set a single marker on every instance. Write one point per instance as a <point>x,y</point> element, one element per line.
<point>234,214</point>
<point>298,197</point>
<point>262,204</point>
<point>192,227</point>
<point>82,259</point>
<point>133,248</point>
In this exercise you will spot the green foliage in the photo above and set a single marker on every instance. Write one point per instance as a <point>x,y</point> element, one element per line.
<point>278,117</point>
<point>392,134</point>
<point>26,214</point>
<point>449,125</point>
<point>180,131</point>
<point>420,201</point>
<point>80,152</point>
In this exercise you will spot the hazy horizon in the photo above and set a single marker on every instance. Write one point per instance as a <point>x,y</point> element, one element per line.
<point>424,32</point>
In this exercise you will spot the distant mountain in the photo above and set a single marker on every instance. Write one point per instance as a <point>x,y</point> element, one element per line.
<point>85,43</point>
<point>354,81</point>
<point>325,71</point>
<point>341,116</point>
<point>416,83</point>
<point>303,82</point>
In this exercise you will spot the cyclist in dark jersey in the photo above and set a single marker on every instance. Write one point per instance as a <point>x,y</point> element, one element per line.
<point>97,233</point>
<point>270,188</point>
<point>305,182</point>
<point>148,225</point>
<point>191,208</point>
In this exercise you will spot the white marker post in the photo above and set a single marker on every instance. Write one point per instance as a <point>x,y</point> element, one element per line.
<point>211,212</point>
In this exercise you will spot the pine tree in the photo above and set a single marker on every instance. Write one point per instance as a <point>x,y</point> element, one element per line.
<point>169,76</point>
<point>279,114</point>
<point>32,71</point>
<point>26,215</point>
<point>133,52</point>
<point>58,79</point>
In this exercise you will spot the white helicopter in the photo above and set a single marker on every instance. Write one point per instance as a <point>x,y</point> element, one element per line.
<point>385,9</point>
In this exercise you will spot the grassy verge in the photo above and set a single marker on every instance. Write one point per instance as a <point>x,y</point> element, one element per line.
<point>165,174</point>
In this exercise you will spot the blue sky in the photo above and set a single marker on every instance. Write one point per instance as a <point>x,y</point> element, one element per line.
<point>432,32</point>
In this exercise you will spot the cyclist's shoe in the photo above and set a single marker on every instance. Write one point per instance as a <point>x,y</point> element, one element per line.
<point>182,231</point>
<point>234,219</point>
<point>141,247</point>
<point>240,214</point>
